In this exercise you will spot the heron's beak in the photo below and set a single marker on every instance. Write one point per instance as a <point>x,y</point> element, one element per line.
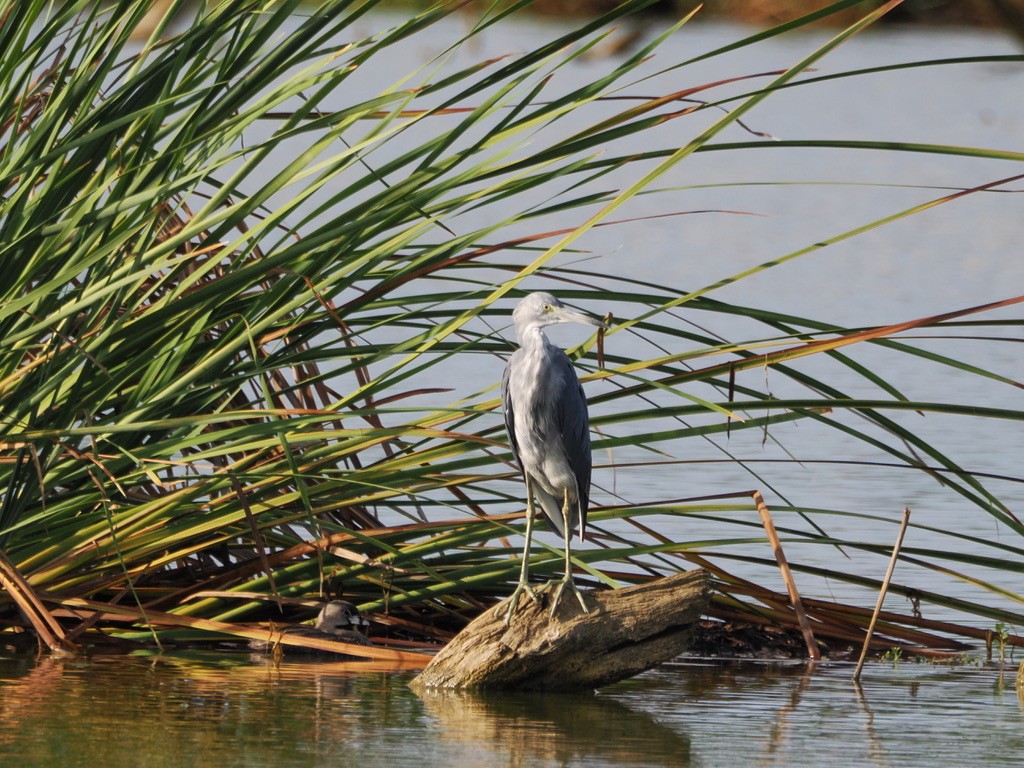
<point>568,316</point>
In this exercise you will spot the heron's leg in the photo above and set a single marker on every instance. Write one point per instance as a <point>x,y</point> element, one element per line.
<point>524,570</point>
<point>567,580</point>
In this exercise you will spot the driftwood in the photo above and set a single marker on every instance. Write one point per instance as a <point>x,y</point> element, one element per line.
<point>624,633</point>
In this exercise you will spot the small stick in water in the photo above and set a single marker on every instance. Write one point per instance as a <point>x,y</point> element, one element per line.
<point>881,593</point>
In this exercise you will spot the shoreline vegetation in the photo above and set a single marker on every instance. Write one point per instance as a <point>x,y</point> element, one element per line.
<point>991,14</point>
<point>236,285</point>
<point>982,13</point>
<point>948,13</point>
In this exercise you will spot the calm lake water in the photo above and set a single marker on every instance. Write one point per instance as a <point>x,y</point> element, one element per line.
<point>229,710</point>
<point>216,711</point>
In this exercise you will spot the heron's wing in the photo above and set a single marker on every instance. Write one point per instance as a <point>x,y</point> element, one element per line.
<point>561,415</point>
<point>510,418</point>
<point>574,424</point>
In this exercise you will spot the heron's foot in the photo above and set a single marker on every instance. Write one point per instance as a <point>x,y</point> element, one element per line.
<point>567,582</point>
<point>513,599</point>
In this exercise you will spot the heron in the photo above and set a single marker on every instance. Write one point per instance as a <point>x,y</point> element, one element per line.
<point>549,431</point>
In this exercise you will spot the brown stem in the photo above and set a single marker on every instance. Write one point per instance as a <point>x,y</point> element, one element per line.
<point>787,576</point>
<point>882,591</point>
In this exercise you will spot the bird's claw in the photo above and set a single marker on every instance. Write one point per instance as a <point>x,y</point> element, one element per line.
<point>513,600</point>
<point>568,582</point>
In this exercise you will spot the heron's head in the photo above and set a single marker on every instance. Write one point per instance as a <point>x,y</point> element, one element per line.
<point>540,309</point>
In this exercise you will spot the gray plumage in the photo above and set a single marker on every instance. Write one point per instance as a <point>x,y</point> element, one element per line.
<point>342,619</point>
<point>338,620</point>
<point>547,423</point>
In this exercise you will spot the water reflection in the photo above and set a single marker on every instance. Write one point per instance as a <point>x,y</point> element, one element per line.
<point>24,696</point>
<point>179,710</point>
<point>224,710</point>
<point>208,709</point>
<point>789,705</point>
<point>557,729</point>
<point>910,714</point>
<point>876,752</point>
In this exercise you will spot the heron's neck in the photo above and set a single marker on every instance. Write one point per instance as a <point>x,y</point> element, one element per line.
<point>533,337</point>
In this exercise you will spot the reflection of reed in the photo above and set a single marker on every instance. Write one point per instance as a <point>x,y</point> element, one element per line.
<point>536,728</point>
<point>780,726</point>
<point>26,697</point>
<point>191,711</point>
<point>877,754</point>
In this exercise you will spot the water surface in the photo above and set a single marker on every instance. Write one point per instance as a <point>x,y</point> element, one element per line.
<point>226,710</point>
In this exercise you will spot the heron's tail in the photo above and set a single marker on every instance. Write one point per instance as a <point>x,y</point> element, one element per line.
<point>551,506</point>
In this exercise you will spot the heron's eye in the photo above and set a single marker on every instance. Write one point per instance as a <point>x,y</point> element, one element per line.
<point>548,308</point>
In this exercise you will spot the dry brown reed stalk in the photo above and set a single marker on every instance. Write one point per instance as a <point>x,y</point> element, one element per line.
<point>787,576</point>
<point>164,620</point>
<point>48,630</point>
<point>882,591</point>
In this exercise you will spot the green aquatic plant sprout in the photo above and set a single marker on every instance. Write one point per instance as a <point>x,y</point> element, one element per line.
<point>239,266</point>
<point>1002,636</point>
<point>893,655</point>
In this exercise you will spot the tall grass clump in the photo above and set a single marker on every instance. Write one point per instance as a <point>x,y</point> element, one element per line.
<point>247,265</point>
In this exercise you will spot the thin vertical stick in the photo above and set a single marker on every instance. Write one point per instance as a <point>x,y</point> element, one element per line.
<point>1020,682</point>
<point>600,338</point>
<point>787,576</point>
<point>881,593</point>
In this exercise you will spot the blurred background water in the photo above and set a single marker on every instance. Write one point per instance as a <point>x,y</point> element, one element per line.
<point>749,207</point>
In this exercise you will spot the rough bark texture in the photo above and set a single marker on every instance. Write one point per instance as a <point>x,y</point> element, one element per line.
<point>624,633</point>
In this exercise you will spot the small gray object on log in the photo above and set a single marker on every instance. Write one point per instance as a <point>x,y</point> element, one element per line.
<point>625,632</point>
<point>334,624</point>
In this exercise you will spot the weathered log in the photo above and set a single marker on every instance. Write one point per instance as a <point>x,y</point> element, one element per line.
<point>624,632</point>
